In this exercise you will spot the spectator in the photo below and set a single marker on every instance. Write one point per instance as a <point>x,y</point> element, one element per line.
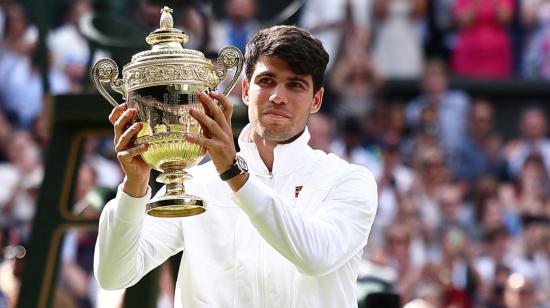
<point>353,82</point>
<point>424,136</point>
<point>432,173</point>
<point>398,251</point>
<point>450,107</point>
<point>77,251</point>
<point>397,120</point>
<point>532,264</point>
<point>397,47</point>
<point>496,252</point>
<point>107,169</point>
<point>77,281</point>
<point>482,152</point>
<point>532,139</point>
<point>395,180</point>
<point>440,29</point>
<point>495,214</point>
<point>20,82</point>
<point>347,145</point>
<point>69,49</point>
<point>454,211</point>
<point>483,48</point>
<point>460,280</point>
<point>238,26</point>
<point>326,20</point>
<point>373,126</point>
<point>494,206</point>
<point>533,187</point>
<point>535,18</point>
<point>21,178</point>
<point>321,128</point>
<point>195,21</point>
<point>146,15</point>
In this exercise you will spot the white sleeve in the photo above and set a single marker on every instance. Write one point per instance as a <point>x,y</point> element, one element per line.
<point>130,243</point>
<point>319,244</point>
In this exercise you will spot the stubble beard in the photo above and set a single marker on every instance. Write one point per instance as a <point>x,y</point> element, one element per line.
<point>269,135</point>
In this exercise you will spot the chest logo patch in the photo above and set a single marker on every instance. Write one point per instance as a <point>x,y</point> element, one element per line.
<point>297,191</point>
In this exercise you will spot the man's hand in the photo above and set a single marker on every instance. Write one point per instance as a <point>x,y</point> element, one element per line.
<point>135,168</point>
<point>219,143</point>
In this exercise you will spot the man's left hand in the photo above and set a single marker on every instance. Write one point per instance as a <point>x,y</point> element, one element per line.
<point>217,120</point>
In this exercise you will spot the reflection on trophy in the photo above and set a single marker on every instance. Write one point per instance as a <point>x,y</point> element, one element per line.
<point>162,84</point>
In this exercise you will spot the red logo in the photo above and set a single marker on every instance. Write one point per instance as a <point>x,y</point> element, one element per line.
<point>297,191</point>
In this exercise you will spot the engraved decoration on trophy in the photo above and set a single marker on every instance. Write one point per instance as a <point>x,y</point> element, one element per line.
<point>162,84</point>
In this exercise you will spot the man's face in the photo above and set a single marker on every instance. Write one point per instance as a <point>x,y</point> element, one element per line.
<point>279,100</point>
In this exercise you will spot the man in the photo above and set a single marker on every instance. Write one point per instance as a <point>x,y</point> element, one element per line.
<point>287,232</point>
<point>450,107</point>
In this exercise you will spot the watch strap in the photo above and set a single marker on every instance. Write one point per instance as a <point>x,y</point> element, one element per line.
<point>235,170</point>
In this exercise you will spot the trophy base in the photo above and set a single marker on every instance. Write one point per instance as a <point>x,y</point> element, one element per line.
<point>175,206</point>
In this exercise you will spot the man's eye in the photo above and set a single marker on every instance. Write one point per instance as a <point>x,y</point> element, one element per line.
<point>296,85</point>
<point>266,81</point>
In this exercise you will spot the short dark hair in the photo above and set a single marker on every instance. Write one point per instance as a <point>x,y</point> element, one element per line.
<point>304,53</point>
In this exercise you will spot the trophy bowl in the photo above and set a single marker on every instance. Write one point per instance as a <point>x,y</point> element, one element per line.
<point>162,84</point>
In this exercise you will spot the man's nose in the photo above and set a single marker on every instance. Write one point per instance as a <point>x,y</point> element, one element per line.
<point>278,96</point>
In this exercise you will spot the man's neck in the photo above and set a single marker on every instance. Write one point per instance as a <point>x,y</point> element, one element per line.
<point>267,147</point>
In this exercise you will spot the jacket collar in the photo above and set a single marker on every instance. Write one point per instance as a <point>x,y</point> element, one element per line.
<point>288,158</point>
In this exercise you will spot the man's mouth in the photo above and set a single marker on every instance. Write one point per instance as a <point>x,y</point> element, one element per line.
<point>276,114</point>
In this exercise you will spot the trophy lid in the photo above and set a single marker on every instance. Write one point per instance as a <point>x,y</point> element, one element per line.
<point>168,61</point>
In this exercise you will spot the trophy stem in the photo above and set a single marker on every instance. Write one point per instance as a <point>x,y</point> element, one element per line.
<point>173,179</point>
<point>175,202</point>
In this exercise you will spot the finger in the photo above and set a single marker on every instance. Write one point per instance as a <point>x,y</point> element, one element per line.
<point>122,122</point>
<point>202,141</point>
<point>126,138</point>
<point>215,110</point>
<point>207,122</point>
<point>130,153</point>
<point>117,112</point>
<point>226,105</point>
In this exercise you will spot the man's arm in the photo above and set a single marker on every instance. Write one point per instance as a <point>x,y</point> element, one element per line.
<point>130,244</point>
<point>323,242</point>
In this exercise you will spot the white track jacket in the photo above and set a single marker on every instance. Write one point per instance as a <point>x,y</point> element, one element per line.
<point>292,237</point>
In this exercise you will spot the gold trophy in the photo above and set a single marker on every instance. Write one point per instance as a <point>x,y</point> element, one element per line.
<point>162,84</point>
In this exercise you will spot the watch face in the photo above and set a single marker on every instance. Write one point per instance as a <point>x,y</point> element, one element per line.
<point>241,164</point>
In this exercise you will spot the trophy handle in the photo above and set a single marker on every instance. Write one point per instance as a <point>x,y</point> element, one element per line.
<point>230,57</point>
<point>106,70</point>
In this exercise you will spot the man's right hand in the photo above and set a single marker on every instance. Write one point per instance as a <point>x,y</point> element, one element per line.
<point>136,170</point>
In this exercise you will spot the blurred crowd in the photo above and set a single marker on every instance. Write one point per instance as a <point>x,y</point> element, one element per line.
<point>464,211</point>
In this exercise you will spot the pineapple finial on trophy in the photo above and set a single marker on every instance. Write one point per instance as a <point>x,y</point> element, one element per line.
<point>166,20</point>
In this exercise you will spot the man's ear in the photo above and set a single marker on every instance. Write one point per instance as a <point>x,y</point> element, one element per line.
<point>317,100</point>
<point>245,87</point>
